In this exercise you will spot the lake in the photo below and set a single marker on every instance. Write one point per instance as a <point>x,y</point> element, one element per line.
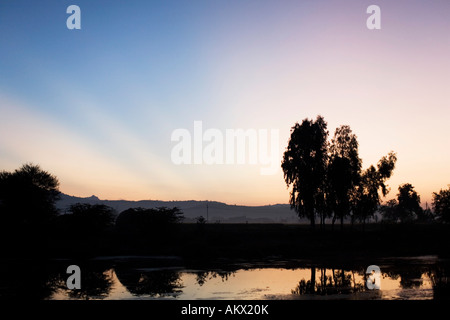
<point>129,277</point>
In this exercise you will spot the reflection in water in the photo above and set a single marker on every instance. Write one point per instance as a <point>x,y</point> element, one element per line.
<point>330,282</point>
<point>96,284</point>
<point>203,276</point>
<point>160,283</point>
<point>24,280</point>
<point>411,278</point>
<point>109,280</point>
<point>440,279</point>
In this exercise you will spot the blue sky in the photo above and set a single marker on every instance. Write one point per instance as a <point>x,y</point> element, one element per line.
<point>97,106</point>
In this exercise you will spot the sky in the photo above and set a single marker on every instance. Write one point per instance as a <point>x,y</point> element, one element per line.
<point>97,106</point>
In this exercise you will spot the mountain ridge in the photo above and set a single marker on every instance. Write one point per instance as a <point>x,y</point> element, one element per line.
<point>215,211</point>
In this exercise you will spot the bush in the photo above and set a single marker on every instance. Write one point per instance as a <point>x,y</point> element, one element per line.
<point>143,221</point>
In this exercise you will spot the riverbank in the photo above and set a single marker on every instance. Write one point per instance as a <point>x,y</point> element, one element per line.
<point>253,241</point>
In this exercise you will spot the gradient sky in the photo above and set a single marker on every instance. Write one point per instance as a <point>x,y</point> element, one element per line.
<point>97,106</point>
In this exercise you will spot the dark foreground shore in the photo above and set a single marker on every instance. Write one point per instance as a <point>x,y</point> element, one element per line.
<point>253,241</point>
<point>154,264</point>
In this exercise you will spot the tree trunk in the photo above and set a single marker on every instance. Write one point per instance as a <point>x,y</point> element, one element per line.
<point>334,278</point>
<point>322,221</point>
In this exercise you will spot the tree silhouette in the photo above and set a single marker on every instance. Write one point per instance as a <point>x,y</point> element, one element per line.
<point>28,195</point>
<point>203,276</point>
<point>441,205</point>
<point>339,282</point>
<point>389,210</point>
<point>140,220</point>
<point>91,219</point>
<point>149,230</point>
<point>408,203</point>
<point>96,283</point>
<point>18,283</point>
<point>27,206</point>
<point>304,167</point>
<point>157,283</point>
<point>306,286</point>
<point>200,220</point>
<point>344,169</point>
<point>426,215</point>
<point>367,197</point>
<point>86,229</point>
<point>326,177</point>
<point>440,280</point>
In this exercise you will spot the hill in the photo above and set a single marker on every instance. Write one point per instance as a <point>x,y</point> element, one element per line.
<point>215,211</point>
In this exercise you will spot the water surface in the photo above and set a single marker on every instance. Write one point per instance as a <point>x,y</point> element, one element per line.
<point>168,278</point>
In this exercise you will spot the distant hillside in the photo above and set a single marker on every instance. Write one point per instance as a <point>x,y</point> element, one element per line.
<point>216,211</point>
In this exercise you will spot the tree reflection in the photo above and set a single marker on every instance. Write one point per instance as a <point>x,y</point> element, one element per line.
<point>409,277</point>
<point>203,276</point>
<point>34,280</point>
<point>95,284</point>
<point>45,280</point>
<point>159,283</point>
<point>24,279</point>
<point>338,282</point>
<point>306,287</point>
<point>440,279</point>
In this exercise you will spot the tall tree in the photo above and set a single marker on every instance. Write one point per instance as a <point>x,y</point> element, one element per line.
<point>344,170</point>
<point>28,195</point>
<point>408,203</point>
<point>304,167</point>
<point>373,180</point>
<point>27,206</point>
<point>441,205</point>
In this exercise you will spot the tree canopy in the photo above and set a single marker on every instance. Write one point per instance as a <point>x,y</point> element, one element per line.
<point>441,205</point>
<point>91,218</point>
<point>304,166</point>
<point>326,177</point>
<point>372,182</point>
<point>28,195</point>
<point>344,169</point>
<point>408,203</point>
<point>406,207</point>
<point>140,220</point>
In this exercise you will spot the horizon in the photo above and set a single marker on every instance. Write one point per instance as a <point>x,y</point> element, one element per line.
<point>423,205</point>
<point>185,200</point>
<point>98,107</point>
